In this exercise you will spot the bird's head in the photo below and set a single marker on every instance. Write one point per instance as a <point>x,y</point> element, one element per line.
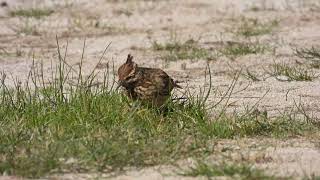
<point>126,71</point>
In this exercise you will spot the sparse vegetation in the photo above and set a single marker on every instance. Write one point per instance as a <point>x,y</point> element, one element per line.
<point>238,171</point>
<point>253,27</point>
<point>241,49</point>
<point>311,54</point>
<point>89,127</point>
<point>176,50</point>
<point>3,51</point>
<point>32,13</point>
<point>93,26</point>
<point>7,53</point>
<point>252,124</point>
<point>249,75</point>
<point>27,28</point>
<point>293,73</point>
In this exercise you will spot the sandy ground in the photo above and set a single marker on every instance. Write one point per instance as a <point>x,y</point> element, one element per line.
<point>133,25</point>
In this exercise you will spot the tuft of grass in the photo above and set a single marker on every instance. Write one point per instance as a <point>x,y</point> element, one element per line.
<point>252,27</point>
<point>241,49</point>
<point>297,73</point>
<point>311,54</point>
<point>249,75</point>
<point>32,13</point>
<point>238,171</point>
<point>176,50</point>
<point>50,125</point>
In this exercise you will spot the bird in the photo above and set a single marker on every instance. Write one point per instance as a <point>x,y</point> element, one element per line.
<point>152,86</point>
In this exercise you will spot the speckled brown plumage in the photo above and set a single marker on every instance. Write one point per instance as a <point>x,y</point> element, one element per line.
<point>150,85</point>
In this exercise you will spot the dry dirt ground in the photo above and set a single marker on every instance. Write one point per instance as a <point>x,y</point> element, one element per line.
<point>133,25</point>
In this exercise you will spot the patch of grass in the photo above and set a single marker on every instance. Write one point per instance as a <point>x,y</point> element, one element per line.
<point>176,50</point>
<point>252,124</point>
<point>311,54</point>
<point>296,73</point>
<point>41,132</point>
<point>51,126</point>
<point>32,13</point>
<point>84,127</point>
<point>241,49</point>
<point>238,171</point>
<point>252,27</point>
